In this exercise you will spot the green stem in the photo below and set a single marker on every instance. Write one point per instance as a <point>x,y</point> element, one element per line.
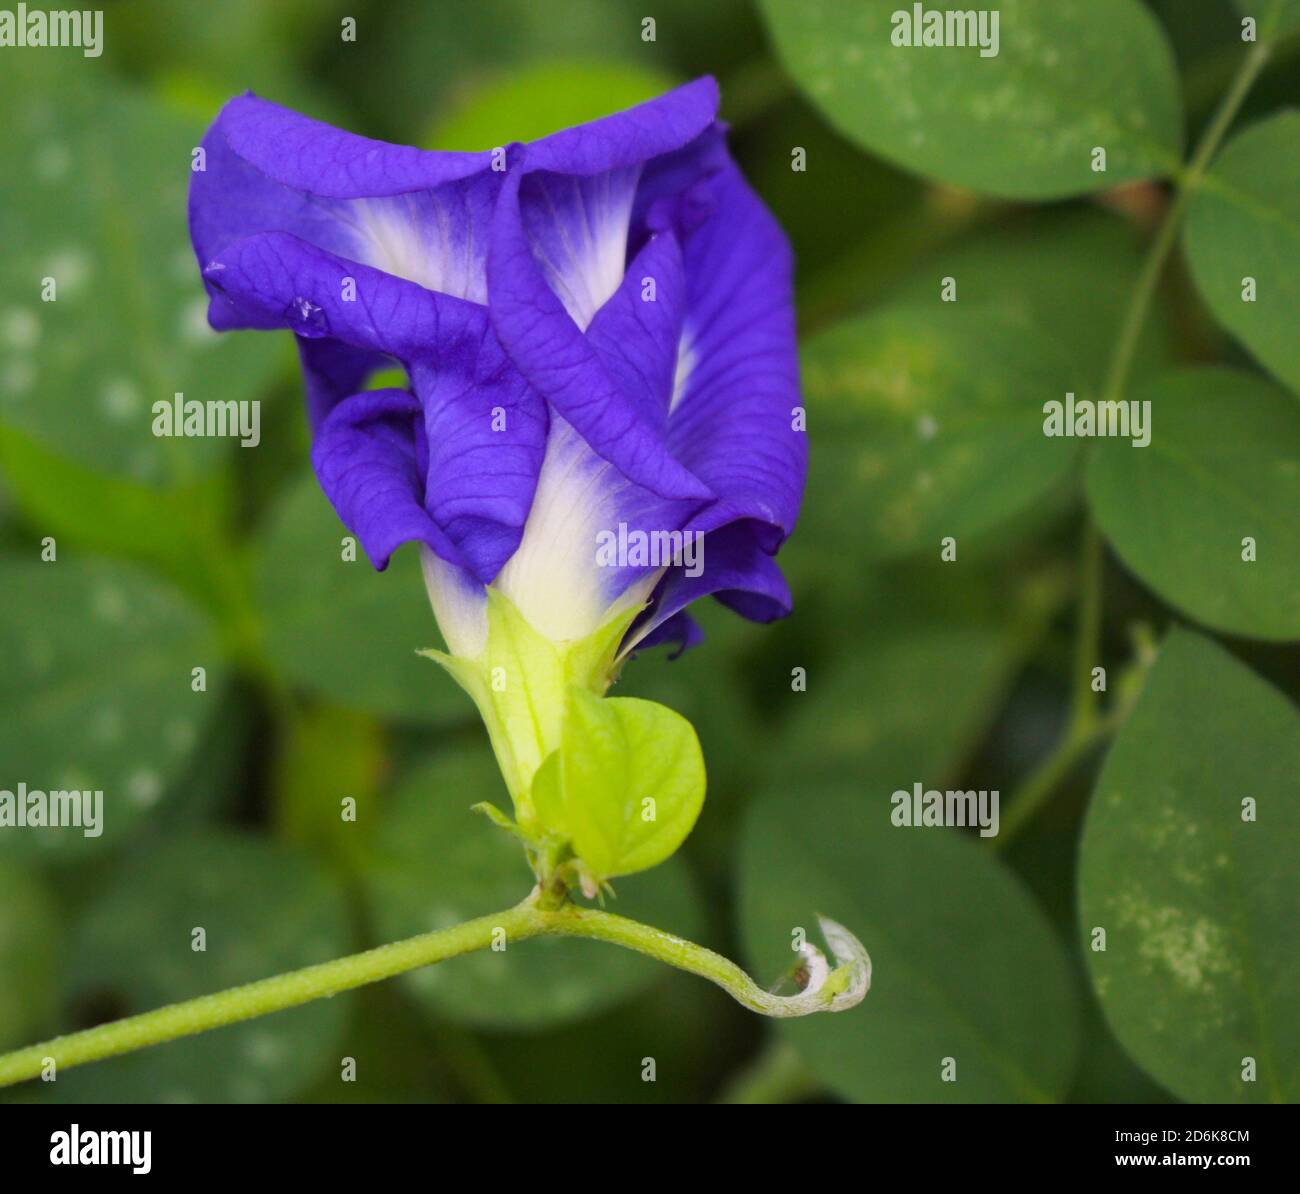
<point>833,991</point>
<point>1087,641</point>
<point>1033,794</point>
<point>266,995</point>
<point>1188,181</point>
<point>1086,726</point>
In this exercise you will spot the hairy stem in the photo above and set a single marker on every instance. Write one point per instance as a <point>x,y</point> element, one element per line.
<point>826,990</point>
<point>265,995</point>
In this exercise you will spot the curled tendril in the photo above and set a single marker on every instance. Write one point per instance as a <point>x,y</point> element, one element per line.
<point>826,989</point>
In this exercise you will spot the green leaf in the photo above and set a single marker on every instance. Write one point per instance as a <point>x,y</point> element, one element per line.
<point>1220,468</point>
<point>92,195</point>
<point>932,689</point>
<point>340,629</point>
<point>931,425</point>
<point>632,781</point>
<point>204,54</point>
<point>29,949</point>
<point>170,529</point>
<point>1017,268</point>
<point>405,1061</point>
<point>852,257</point>
<point>1202,961</point>
<point>436,864</point>
<point>215,778</point>
<point>965,965</point>
<point>264,909</point>
<point>96,692</point>
<point>1275,17</point>
<point>535,101</point>
<point>1244,222</point>
<point>1106,1073</point>
<point>594,1060</point>
<point>414,61</point>
<point>1068,77</point>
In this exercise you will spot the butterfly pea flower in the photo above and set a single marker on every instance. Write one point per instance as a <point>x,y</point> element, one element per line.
<point>601,422</point>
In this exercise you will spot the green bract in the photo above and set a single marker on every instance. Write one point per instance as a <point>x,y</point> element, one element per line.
<point>601,787</point>
<point>626,784</point>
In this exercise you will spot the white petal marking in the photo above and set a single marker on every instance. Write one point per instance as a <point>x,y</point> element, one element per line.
<point>416,237</point>
<point>578,230</point>
<point>684,368</point>
<point>459,604</point>
<point>553,577</point>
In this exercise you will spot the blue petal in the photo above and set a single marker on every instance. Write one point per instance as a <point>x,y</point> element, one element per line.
<point>737,570</point>
<point>733,415</point>
<point>559,362</point>
<point>484,427</point>
<point>636,338</point>
<point>365,456</point>
<point>531,350</point>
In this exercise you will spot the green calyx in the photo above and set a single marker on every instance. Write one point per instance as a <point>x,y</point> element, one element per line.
<point>601,786</point>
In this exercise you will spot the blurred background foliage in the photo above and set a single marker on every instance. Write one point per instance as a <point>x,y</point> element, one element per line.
<point>924,421</point>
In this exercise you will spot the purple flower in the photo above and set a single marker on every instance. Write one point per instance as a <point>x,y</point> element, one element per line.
<point>598,333</point>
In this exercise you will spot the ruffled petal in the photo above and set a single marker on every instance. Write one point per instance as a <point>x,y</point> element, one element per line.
<point>333,371</point>
<point>486,432</point>
<point>732,418</point>
<point>627,139</point>
<point>737,570</point>
<point>674,192</point>
<point>559,362</point>
<point>366,458</point>
<point>289,283</point>
<point>485,429</point>
<point>636,337</point>
<point>307,155</point>
<point>577,228</point>
<point>681,632</point>
<point>555,402</point>
<point>419,214</point>
<point>415,214</point>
